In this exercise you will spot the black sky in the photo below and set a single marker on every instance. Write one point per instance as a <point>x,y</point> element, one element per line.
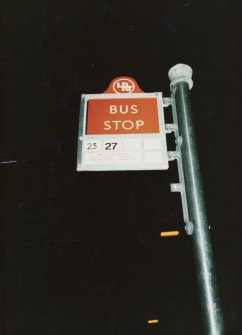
<point>81,252</point>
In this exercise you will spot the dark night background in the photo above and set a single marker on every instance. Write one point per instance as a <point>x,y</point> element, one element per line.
<point>81,252</point>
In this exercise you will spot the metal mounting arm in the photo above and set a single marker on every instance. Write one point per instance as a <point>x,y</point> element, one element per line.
<point>176,155</point>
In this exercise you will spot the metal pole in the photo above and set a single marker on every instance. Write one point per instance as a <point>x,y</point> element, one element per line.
<point>180,76</point>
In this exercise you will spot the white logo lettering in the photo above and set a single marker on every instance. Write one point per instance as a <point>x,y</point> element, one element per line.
<point>123,85</point>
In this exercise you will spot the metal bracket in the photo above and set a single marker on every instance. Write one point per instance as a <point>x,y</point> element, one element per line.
<point>168,101</point>
<point>171,127</point>
<point>176,155</point>
<point>172,155</point>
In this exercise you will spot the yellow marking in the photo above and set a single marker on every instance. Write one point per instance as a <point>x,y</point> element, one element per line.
<point>153,321</point>
<point>169,233</point>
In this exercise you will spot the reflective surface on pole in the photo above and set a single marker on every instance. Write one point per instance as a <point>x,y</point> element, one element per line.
<point>196,206</point>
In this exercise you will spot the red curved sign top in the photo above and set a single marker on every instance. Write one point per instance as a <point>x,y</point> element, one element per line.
<point>123,85</point>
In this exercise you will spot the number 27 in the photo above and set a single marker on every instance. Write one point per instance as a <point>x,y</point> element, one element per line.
<point>110,146</point>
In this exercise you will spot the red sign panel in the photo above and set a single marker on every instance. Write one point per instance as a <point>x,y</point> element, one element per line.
<point>122,116</point>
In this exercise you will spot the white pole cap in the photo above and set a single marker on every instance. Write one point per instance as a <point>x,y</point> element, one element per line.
<point>180,72</point>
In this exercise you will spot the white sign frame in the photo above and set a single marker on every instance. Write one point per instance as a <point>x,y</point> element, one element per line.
<point>150,155</point>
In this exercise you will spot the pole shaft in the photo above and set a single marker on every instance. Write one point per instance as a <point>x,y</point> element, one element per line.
<point>197,212</point>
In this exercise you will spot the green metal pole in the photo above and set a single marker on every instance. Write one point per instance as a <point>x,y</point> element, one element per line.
<point>180,76</point>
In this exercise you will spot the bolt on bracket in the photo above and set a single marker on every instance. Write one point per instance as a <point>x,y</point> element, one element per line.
<point>171,127</point>
<point>168,101</point>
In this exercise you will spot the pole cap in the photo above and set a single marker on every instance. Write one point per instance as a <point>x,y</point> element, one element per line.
<point>180,72</point>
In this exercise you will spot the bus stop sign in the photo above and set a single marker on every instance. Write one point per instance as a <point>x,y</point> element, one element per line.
<point>122,129</point>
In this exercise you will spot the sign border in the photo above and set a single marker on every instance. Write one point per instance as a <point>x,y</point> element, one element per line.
<point>82,127</point>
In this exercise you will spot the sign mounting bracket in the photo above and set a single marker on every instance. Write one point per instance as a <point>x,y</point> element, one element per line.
<point>176,155</point>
